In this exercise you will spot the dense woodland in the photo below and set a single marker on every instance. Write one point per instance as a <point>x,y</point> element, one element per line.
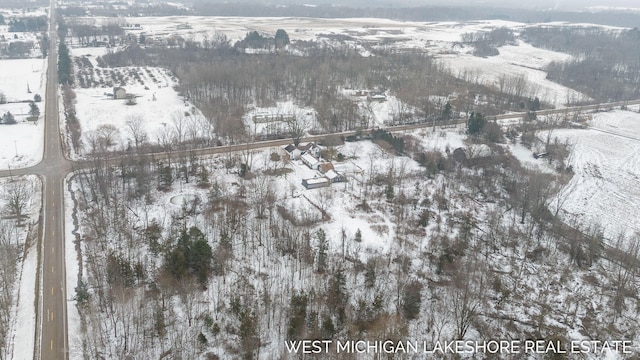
<point>607,66</point>
<point>477,252</point>
<point>223,82</point>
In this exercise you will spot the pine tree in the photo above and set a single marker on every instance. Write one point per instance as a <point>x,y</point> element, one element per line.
<point>475,123</point>
<point>281,38</point>
<point>34,111</point>
<point>411,300</point>
<point>337,297</point>
<point>8,118</point>
<point>446,112</point>
<point>298,311</point>
<point>321,258</point>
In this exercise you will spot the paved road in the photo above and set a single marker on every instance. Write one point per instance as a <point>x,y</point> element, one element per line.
<point>52,314</point>
<point>52,341</point>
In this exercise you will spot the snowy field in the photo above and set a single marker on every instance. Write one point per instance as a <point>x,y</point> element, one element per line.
<point>606,161</point>
<point>21,144</point>
<point>441,39</point>
<point>512,62</point>
<point>159,109</point>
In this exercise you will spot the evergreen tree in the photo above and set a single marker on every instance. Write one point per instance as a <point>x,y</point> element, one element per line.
<point>446,112</point>
<point>475,123</point>
<point>337,297</point>
<point>298,311</point>
<point>64,65</point>
<point>8,118</point>
<point>411,300</point>
<point>370,274</point>
<point>281,38</point>
<point>203,178</point>
<point>191,255</point>
<point>34,111</point>
<point>165,178</point>
<point>389,192</point>
<point>321,258</point>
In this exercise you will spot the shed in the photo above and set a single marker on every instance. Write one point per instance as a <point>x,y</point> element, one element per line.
<point>378,95</point>
<point>459,155</point>
<point>335,177</point>
<point>470,153</point>
<point>119,93</point>
<point>315,183</point>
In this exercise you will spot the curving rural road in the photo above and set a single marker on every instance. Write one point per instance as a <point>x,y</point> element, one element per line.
<point>52,337</point>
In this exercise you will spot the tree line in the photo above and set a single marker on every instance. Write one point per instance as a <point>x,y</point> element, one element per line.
<point>605,64</point>
<point>223,82</point>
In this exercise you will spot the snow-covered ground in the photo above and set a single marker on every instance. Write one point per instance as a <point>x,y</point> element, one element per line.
<point>441,39</point>
<point>71,268</point>
<point>21,144</point>
<point>277,119</point>
<point>158,106</point>
<point>442,139</point>
<point>525,156</point>
<point>522,60</point>
<point>606,161</point>
<point>20,331</point>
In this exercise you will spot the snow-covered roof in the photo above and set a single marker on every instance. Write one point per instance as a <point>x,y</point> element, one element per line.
<point>309,159</point>
<point>331,174</point>
<point>318,180</point>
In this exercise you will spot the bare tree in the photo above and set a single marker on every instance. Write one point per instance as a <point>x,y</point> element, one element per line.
<point>180,126</point>
<point>16,195</point>
<point>297,128</point>
<point>136,129</point>
<point>106,135</point>
<point>465,300</point>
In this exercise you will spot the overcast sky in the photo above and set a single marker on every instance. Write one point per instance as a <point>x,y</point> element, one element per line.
<point>558,4</point>
<point>535,4</point>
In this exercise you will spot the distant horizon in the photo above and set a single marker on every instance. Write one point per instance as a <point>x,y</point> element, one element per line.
<point>562,5</point>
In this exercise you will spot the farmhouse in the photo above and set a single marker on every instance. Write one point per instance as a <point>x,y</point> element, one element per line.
<point>309,148</point>
<point>315,183</point>
<point>119,93</point>
<point>293,152</point>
